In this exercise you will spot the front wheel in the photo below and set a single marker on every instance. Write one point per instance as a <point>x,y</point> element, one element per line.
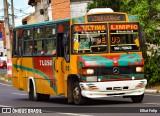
<point>137,99</point>
<point>77,96</point>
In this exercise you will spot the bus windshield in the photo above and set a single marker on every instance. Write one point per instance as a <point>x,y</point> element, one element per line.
<point>124,37</point>
<point>89,39</point>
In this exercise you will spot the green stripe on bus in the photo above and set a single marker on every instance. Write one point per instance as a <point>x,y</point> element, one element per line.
<point>35,71</point>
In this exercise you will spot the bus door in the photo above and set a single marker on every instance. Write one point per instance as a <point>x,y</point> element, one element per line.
<point>60,65</point>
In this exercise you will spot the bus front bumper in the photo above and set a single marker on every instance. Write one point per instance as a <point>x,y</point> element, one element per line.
<point>112,89</point>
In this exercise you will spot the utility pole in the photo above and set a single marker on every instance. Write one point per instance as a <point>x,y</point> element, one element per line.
<point>8,40</point>
<point>13,25</point>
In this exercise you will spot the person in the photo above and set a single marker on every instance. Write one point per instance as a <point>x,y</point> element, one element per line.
<point>96,41</point>
<point>54,52</point>
<point>42,52</point>
<point>31,48</point>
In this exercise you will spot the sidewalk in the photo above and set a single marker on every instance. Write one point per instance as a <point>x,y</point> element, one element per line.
<point>152,91</point>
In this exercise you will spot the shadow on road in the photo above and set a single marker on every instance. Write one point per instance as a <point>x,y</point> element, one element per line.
<point>91,102</point>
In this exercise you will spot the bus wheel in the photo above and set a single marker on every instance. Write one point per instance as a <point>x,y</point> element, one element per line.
<point>33,96</point>
<point>77,96</point>
<point>137,99</point>
<point>37,96</point>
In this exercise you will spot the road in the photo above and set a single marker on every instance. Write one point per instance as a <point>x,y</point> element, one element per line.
<point>3,70</point>
<point>57,106</point>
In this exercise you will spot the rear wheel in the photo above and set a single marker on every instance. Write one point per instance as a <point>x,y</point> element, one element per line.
<point>77,96</point>
<point>32,95</point>
<point>37,96</point>
<point>137,99</point>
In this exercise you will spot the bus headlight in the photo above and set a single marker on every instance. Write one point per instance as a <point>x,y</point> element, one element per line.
<point>88,71</point>
<point>91,78</point>
<point>139,69</point>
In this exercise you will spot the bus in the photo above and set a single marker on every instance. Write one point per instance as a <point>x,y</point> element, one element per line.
<point>97,55</point>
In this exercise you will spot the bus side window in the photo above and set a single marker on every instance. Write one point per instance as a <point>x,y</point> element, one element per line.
<point>50,39</point>
<point>15,47</point>
<point>28,42</point>
<point>39,41</point>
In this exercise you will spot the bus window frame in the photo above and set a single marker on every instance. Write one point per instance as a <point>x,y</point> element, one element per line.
<point>72,36</point>
<point>35,39</point>
<point>123,50</point>
<point>54,37</point>
<point>31,40</point>
<point>15,41</point>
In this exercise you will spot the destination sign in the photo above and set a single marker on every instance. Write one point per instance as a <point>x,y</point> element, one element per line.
<point>80,28</point>
<point>124,27</point>
<point>122,48</point>
<point>106,17</point>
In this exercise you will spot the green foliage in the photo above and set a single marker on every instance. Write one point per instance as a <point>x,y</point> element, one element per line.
<point>152,67</point>
<point>105,4</point>
<point>147,11</point>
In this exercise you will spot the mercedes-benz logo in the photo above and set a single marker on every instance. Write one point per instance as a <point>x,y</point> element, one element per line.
<point>115,70</point>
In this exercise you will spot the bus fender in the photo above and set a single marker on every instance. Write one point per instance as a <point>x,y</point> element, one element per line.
<point>33,82</point>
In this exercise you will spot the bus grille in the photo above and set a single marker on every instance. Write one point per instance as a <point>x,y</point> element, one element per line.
<point>110,70</point>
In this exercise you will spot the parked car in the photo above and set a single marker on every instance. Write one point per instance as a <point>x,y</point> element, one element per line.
<point>3,64</point>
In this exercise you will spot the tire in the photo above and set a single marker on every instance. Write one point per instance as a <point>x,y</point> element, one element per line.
<point>37,96</point>
<point>78,99</point>
<point>31,94</point>
<point>137,99</point>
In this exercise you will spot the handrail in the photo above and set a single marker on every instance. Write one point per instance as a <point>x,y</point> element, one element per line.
<point>54,65</point>
<point>61,65</point>
<point>16,64</point>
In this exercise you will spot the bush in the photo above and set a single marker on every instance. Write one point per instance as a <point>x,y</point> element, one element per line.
<point>152,64</point>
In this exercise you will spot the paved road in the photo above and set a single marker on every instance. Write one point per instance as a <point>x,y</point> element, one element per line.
<point>3,70</point>
<point>10,97</point>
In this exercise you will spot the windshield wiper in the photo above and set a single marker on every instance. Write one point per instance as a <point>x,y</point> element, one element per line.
<point>124,50</point>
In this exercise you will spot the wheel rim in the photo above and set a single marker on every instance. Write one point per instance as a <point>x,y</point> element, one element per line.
<point>76,93</point>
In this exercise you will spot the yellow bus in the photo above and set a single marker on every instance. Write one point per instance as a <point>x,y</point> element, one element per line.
<point>94,56</point>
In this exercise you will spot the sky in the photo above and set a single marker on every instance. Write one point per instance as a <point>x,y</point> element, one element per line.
<point>21,10</point>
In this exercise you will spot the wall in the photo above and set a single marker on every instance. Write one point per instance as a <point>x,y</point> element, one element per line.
<point>60,9</point>
<point>78,7</point>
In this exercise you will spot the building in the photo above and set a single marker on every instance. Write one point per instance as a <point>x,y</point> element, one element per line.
<point>2,32</point>
<point>68,8</point>
<point>55,10</point>
<point>3,51</point>
<point>42,12</point>
<point>78,7</point>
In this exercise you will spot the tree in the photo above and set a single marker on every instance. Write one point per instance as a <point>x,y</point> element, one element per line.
<point>105,4</point>
<point>147,11</point>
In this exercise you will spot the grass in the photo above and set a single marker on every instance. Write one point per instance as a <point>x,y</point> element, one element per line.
<point>4,77</point>
<point>156,86</point>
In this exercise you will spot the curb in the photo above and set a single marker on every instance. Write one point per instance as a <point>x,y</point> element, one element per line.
<point>4,80</point>
<point>152,91</point>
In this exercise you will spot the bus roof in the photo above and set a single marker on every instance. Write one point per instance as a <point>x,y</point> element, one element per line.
<point>42,23</point>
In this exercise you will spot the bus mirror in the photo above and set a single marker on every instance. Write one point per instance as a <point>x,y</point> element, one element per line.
<point>76,46</point>
<point>137,42</point>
